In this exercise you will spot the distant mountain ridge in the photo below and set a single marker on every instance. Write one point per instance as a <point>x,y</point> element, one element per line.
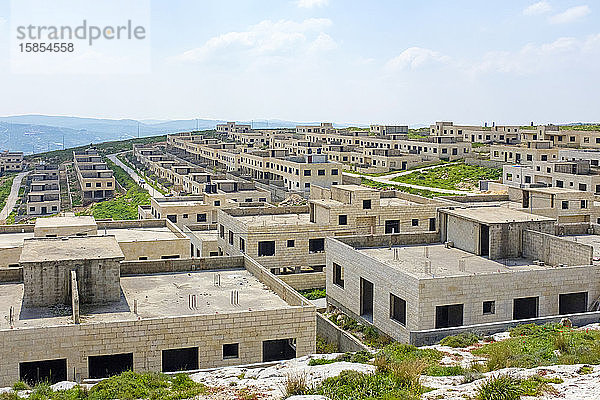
<point>39,133</point>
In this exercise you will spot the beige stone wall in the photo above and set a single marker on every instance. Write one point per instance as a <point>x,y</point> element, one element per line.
<point>147,338</point>
<point>423,295</point>
<point>311,280</point>
<point>154,250</point>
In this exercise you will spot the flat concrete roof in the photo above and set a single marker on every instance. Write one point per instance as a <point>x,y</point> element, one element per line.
<point>554,190</point>
<point>10,240</point>
<point>280,219</point>
<point>444,261</point>
<point>55,222</point>
<point>157,295</point>
<point>205,236</point>
<point>70,248</point>
<point>355,188</point>
<point>495,215</point>
<point>139,234</point>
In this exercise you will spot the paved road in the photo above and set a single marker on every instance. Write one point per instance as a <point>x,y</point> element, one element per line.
<point>13,196</point>
<point>153,192</point>
<point>388,179</point>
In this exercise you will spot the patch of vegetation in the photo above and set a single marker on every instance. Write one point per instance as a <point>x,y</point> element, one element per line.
<point>5,186</point>
<point>366,333</point>
<point>533,345</point>
<point>20,385</point>
<point>476,145</point>
<point>323,347</point>
<point>150,179</point>
<point>402,383</point>
<point>361,357</point>
<point>580,127</point>
<point>122,206</point>
<point>464,339</point>
<point>356,128</point>
<point>127,386</point>
<point>505,387</point>
<point>313,294</point>
<point>419,192</point>
<point>585,370</point>
<point>457,176</point>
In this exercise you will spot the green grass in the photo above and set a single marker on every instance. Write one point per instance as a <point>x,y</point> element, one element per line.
<point>5,189</point>
<point>461,340</point>
<point>581,127</point>
<point>538,345</point>
<point>457,176</point>
<point>324,347</point>
<point>361,357</point>
<point>313,294</point>
<point>123,206</point>
<point>150,181</point>
<point>419,192</point>
<point>476,145</point>
<point>127,386</point>
<point>505,387</point>
<point>366,333</point>
<point>352,385</point>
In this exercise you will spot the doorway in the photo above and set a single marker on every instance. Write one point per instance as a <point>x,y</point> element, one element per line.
<point>448,316</point>
<point>525,307</point>
<point>279,349</point>
<point>51,371</point>
<point>484,240</point>
<point>366,299</point>
<point>107,366</point>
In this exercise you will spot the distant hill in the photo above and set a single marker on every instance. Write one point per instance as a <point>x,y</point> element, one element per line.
<point>39,133</point>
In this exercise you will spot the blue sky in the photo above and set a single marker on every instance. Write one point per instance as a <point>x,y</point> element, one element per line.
<point>408,62</point>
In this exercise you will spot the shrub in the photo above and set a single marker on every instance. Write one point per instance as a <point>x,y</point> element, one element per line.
<point>352,385</point>
<point>313,294</point>
<point>295,384</point>
<point>585,369</point>
<point>465,339</point>
<point>502,387</point>
<point>323,347</point>
<point>20,385</point>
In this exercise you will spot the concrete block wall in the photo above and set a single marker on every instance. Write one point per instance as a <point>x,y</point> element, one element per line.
<point>304,281</point>
<point>148,337</point>
<point>48,283</point>
<point>423,295</point>
<point>333,334</point>
<point>553,250</point>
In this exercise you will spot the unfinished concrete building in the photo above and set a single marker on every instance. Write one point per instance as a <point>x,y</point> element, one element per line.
<point>486,270</point>
<point>95,178</point>
<point>11,161</point>
<point>74,310</point>
<point>292,239</point>
<point>43,197</point>
<point>138,239</point>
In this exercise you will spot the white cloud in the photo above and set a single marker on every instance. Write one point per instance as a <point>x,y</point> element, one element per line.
<point>265,39</point>
<point>311,3</point>
<point>570,15</point>
<point>2,20</point>
<point>415,57</point>
<point>541,7</point>
<point>532,58</point>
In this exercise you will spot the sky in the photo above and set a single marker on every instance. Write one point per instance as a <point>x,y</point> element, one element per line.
<point>344,61</point>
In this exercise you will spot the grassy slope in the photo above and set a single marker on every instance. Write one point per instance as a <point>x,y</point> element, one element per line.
<point>5,186</point>
<point>123,206</point>
<point>454,176</point>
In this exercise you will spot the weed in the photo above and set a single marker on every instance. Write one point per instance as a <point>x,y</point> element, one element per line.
<point>502,387</point>
<point>295,384</point>
<point>585,369</point>
<point>465,339</point>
